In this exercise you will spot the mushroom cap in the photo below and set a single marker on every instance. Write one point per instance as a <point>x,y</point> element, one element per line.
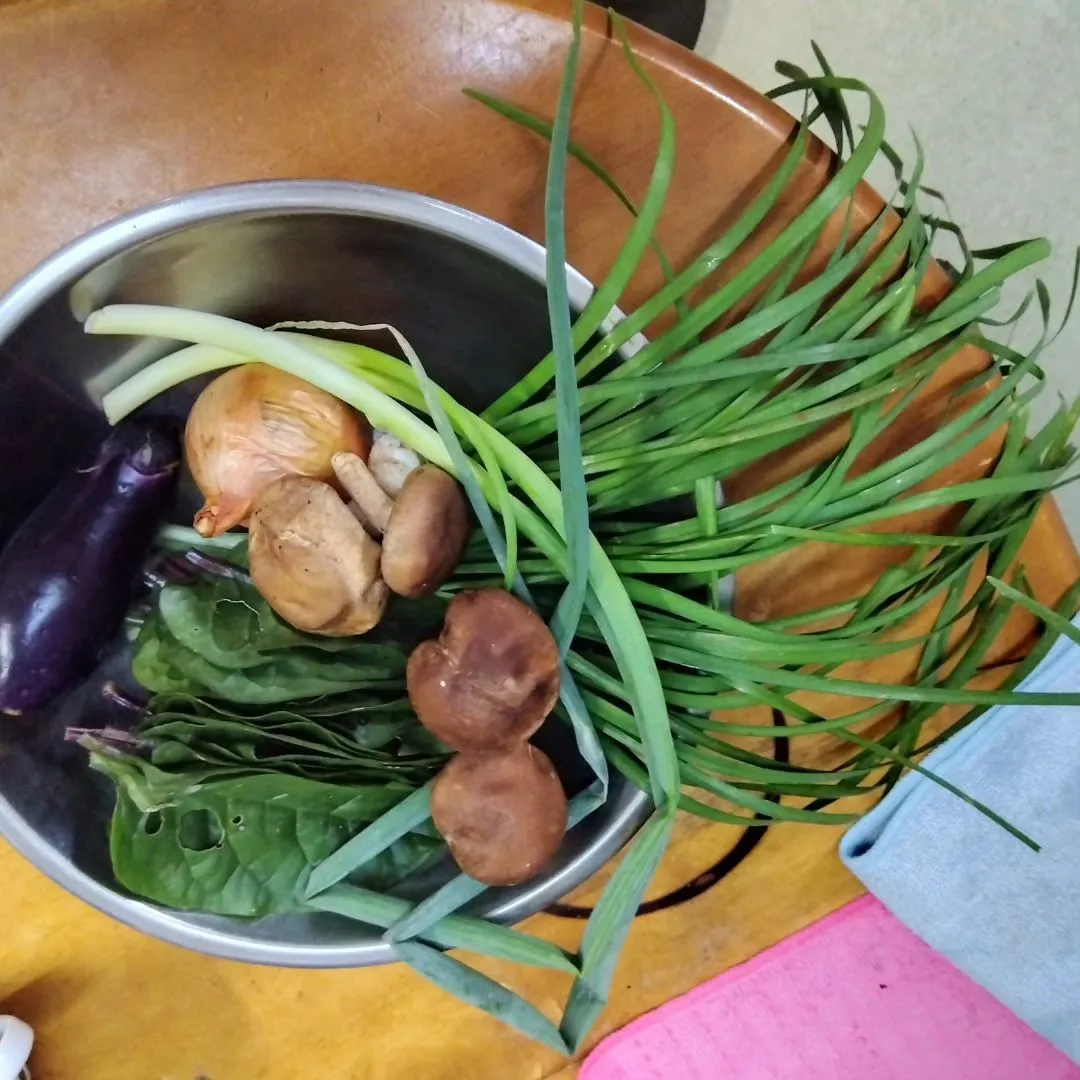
<point>426,534</point>
<point>490,678</point>
<point>313,561</point>
<point>503,815</point>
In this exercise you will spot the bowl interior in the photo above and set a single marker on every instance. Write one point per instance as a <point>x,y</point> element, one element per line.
<point>477,321</point>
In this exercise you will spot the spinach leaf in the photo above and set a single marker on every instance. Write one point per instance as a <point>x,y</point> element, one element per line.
<point>255,757</point>
<point>182,730</point>
<point>219,638</point>
<point>230,624</point>
<point>344,710</point>
<point>246,846</point>
<point>293,674</point>
<point>152,665</point>
<point>162,664</point>
<point>149,787</point>
<point>263,750</point>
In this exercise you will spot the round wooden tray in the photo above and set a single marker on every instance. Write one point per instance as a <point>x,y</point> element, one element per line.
<point>110,104</point>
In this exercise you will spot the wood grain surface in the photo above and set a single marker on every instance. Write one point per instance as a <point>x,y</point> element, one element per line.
<point>110,104</point>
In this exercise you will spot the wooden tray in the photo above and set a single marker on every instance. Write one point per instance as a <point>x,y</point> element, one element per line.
<point>110,104</point>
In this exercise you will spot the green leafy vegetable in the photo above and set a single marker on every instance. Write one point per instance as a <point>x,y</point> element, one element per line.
<point>263,752</point>
<point>575,504</point>
<point>219,638</point>
<point>407,816</point>
<point>286,743</point>
<point>453,932</point>
<point>243,846</point>
<point>162,664</point>
<point>482,992</point>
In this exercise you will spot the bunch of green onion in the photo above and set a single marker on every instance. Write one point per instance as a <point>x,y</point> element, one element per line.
<point>566,469</point>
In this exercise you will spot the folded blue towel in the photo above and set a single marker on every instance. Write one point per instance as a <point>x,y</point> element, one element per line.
<point>1007,916</point>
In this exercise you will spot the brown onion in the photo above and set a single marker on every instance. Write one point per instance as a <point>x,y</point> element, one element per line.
<point>254,425</point>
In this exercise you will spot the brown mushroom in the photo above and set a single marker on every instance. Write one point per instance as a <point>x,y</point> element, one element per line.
<point>423,530</point>
<point>313,561</point>
<point>490,678</point>
<point>503,815</point>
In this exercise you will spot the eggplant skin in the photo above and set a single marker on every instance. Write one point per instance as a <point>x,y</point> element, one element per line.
<point>68,574</point>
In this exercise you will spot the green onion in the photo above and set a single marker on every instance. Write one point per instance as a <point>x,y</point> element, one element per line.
<point>451,932</point>
<point>410,813</point>
<point>481,992</point>
<point>575,504</point>
<point>597,501</point>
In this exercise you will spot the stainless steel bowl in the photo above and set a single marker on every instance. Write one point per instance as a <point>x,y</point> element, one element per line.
<point>466,291</point>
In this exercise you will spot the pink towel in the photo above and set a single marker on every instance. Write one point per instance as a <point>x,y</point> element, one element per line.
<point>856,994</point>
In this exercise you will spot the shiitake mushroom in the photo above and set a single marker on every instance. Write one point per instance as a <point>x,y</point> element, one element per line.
<point>492,676</point>
<point>313,561</point>
<point>423,529</point>
<point>502,813</point>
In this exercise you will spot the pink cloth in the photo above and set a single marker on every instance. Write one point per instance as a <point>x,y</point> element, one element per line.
<point>856,994</point>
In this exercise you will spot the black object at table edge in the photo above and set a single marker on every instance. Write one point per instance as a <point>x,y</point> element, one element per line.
<point>679,20</point>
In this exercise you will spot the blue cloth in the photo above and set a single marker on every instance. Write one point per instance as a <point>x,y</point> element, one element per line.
<point>1007,916</point>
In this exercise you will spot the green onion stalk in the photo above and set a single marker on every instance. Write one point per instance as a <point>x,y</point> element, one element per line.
<point>595,480</point>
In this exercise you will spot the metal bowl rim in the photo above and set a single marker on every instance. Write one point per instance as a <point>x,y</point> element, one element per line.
<point>289,197</point>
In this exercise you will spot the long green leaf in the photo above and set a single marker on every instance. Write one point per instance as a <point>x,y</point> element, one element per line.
<point>481,992</point>
<point>575,501</point>
<point>610,923</point>
<point>410,813</point>
<point>451,932</point>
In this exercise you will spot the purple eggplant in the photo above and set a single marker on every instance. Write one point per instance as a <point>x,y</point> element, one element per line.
<point>68,574</point>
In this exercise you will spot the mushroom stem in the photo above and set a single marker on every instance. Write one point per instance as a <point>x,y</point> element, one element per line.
<point>360,483</point>
<point>423,530</point>
<point>391,462</point>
